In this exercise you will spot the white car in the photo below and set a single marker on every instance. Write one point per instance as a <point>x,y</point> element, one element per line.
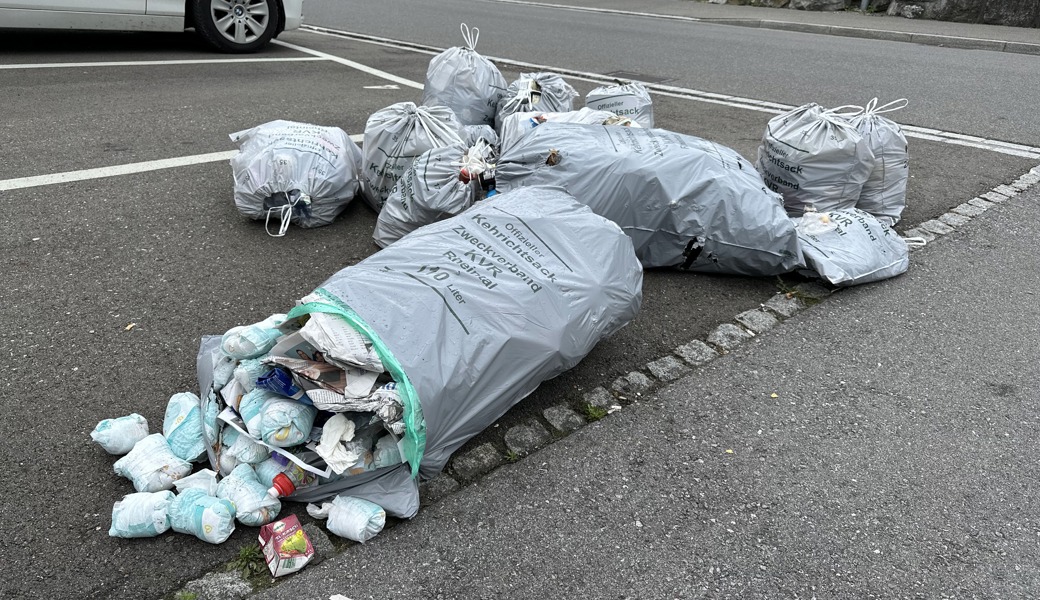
<point>227,25</point>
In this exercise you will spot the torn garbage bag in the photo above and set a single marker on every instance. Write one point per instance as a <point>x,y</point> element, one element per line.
<point>297,173</point>
<point>624,99</point>
<point>815,159</point>
<point>850,247</point>
<point>441,183</point>
<point>884,192</point>
<point>513,291</point>
<point>685,202</point>
<point>465,82</point>
<point>397,135</point>
<point>536,92</point>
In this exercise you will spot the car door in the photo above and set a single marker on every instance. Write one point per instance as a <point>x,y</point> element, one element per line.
<point>126,7</point>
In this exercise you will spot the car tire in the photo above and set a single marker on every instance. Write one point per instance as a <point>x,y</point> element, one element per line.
<point>236,25</point>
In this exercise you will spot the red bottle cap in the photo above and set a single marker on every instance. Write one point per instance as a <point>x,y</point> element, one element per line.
<point>282,485</point>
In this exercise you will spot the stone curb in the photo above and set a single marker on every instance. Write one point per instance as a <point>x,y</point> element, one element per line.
<point>930,39</point>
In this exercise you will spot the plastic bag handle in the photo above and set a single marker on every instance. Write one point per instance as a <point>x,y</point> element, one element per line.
<point>285,214</point>
<point>470,36</point>
<point>874,109</point>
<point>852,113</point>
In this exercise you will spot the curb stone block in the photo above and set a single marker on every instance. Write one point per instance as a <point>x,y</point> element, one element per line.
<point>632,384</point>
<point>955,220</point>
<point>1007,190</point>
<point>600,398</point>
<point>936,227</point>
<point>785,306</point>
<point>927,236</point>
<point>668,368</point>
<point>994,197</point>
<point>323,547</point>
<point>477,462</point>
<point>220,586</point>
<point>1021,185</point>
<point>757,320</point>
<point>696,352</point>
<point>968,210</point>
<point>1033,176</point>
<point>728,336</point>
<point>563,419</point>
<point>983,204</point>
<point>526,438</point>
<point>816,291</point>
<point>439,487</point>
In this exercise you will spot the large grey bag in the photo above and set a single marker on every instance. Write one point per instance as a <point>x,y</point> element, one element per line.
<point>441,183</point>
<point>397,135</point>
<point>465,82</point>
<point>815,159</point>
<point>536,92</point>
<point>629,99</point>
<point>296,172</point>
<point>850,247</point>
<point>516,125</point>
<point>684,201</point>
<point>884,192</point>
<point>469,316</point>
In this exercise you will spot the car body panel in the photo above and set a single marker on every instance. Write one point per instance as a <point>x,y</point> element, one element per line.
<point>106,6</point>
<point>172,8</point>
<point>111,15</point>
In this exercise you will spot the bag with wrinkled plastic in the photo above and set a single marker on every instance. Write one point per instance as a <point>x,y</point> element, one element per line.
<point>815,159</point>
<point>395,136</point>
<point>206,517</point>
<point>183,425</point>
<point>624,99</point>
<point>535,92</point>
<point>352,518</point>
<point>295,172</point>
<point>850,247</point>
<point>685,202</point>
<point>465,82</point>
<point>884,192</point>
<point>440,183</point>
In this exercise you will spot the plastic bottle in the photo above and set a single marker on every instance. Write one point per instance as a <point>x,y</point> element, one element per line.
<point>284,476</point>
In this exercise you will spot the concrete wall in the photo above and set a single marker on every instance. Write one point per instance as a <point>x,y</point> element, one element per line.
<point>1016,13</point>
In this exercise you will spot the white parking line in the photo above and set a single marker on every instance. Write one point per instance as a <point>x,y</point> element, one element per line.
<point>152,63</point>
<point>352,65</point>
<point>946,137</point>
<point>126,169</point>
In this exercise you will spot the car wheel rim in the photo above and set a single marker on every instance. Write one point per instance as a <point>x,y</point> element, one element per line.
<point>240,21</point>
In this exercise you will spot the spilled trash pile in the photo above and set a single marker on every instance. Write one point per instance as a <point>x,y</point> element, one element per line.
<point>518,226</point>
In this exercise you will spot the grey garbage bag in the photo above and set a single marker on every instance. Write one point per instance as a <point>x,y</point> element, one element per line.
<point>517,125</point>
<point>469,315</point>
<point>624,99</point>
<point>465,82</point>
<point>814,158</point>
<point>536,92</point>
<point>884,192</point>
<point>472,133</point>
<point>684,201</point>
<point>440,183</point>
<point>295,172</point>
<point>397,135</point>
<point>850,247</point>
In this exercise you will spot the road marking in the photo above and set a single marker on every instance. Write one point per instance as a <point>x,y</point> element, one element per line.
<point>924,133</point>
<point>152,63</point>
<point>126,169</point>
<point>600,10</point>
<point>352,64</point>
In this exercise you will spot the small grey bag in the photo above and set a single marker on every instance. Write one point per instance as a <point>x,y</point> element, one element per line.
<point>536,92</point>
<point>884,192</point>
<point>465,82</point>
<point>397,135</point>
<point>630,100</point>
<point>815,159</point>
<point>850,247</point>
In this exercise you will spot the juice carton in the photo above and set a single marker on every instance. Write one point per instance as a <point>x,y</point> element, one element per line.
<point>286,547</point>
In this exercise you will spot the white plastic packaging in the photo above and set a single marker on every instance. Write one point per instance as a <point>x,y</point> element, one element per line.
<point>350,517</point>
<point>151,465</point>
<point>118,436</point>
<point>143,514</point>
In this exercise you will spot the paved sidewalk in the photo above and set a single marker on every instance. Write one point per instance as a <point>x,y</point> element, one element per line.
<point>845,23</point>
